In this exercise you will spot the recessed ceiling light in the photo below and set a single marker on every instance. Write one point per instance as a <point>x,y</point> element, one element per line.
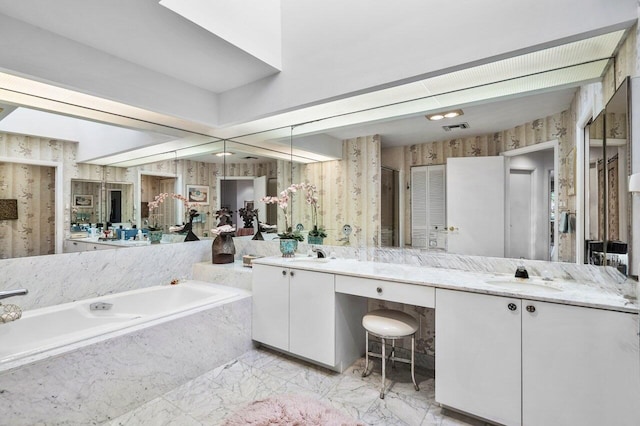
<point>452,114</point>
<point>445,114</point>
<point>222,154</point>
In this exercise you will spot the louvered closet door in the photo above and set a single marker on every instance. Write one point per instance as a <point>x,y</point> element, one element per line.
<point>428,203</point>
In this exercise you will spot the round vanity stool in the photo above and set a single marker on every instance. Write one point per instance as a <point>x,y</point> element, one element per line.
<point>389,324</point>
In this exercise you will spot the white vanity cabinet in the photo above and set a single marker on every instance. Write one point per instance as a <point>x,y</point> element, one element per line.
<point>270,313</point>
<point>580,366</point>
<point>298,311</point>
<point>312,316</point>
<point>478,355</point>
<point>521,362</point>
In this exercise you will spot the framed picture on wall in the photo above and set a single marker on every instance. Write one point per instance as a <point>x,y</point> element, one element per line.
<point>198,194</point>
<point>83,200</point>
<point>248,205</point>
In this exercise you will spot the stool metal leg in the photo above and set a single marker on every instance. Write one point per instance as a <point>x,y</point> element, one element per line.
<point>413,348</point>
<point>393,353</point>
<point>365,373</point>
<point>384,361</point>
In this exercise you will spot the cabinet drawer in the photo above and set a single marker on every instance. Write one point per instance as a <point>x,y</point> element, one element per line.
<point>411,294</point>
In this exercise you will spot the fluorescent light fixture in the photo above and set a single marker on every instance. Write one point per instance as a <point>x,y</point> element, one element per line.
<point>435,117</point>
<point>223,154</point>
<point>634,182</point>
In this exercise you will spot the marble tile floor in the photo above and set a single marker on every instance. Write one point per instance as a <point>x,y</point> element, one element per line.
<point>259,373</point>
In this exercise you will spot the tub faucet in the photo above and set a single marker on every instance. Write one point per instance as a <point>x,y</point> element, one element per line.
<point>8,293</point>
<point>320,252</point>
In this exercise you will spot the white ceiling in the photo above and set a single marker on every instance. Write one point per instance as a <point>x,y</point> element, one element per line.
<point>147,34</point>
<point>483,118</point>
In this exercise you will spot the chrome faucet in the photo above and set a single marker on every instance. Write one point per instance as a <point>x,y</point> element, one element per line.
<point>8,293</point>
<point>320,252</point>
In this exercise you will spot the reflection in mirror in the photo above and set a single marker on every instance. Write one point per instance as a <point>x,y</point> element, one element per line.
<point>616,161</point>
<point>344,155</point>
<point>33,232</point>
<point>166,213</point>
<point>609,206</point>
<point>595,196</point>
<point>87,206</point>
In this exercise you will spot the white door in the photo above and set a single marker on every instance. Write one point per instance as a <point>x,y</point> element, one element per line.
<point>520,224</point>
<point>475,205</point>
<point>478,355</point>
<point>259,191</point>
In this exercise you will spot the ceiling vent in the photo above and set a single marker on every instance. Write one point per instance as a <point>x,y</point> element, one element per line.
<point>458,126</point>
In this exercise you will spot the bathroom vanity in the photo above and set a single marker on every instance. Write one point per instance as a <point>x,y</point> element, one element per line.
<point>515,352</point>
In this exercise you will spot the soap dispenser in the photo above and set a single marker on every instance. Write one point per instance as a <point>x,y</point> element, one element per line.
<point>521,271</point>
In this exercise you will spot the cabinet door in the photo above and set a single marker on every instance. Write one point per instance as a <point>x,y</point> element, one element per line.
<point>312,316</point>
<point>581,366</point>
<point>478,355</point>
<point>270,315</point>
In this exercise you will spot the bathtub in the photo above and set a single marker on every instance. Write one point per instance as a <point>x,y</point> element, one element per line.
<point>88,366</point>
<point>63,326</point>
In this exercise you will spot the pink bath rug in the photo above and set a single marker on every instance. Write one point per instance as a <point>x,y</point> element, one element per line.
<point>289,410</point>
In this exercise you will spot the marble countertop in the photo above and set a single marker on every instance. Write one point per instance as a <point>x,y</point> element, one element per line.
<point>619,297</point>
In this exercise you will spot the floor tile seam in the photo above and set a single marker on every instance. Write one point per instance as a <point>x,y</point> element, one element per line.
<point>373,407</point>
<point>312,389</point>
<point>183,412</point>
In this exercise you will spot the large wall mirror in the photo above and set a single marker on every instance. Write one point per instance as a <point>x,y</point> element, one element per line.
<point>385,177</point>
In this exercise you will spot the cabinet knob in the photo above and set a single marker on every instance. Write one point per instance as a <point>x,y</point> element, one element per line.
<point>531,308</point>
<point>291,273</point>
<point>512,306</point>
<point>379,290</point>
<point>284,272</point>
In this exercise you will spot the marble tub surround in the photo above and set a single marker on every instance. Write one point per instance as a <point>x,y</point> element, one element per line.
<point>62,278</point>
<point>599,294</point>
<point>231,274</point>
<point>98,382</point>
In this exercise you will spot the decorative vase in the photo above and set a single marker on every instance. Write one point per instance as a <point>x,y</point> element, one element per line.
<point>155,236</point>
<point>314,240</point>
<point>288,247</point>
<point>223,249</point>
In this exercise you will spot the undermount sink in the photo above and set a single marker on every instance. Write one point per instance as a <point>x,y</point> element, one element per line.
<point>516,284</point>
<point>309,259</point>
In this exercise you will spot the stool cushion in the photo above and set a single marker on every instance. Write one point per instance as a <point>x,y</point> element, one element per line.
<point>389,323</point>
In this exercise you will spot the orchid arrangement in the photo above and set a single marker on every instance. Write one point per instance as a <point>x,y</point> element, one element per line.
<point>312,200</point>
<point>283,202</point>
<point>160,198</point>
<point>286,197</point>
